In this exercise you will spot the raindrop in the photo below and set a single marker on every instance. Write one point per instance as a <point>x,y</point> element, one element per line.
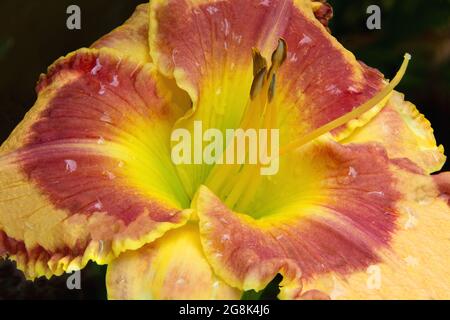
<point>109,174</point>
<point>225,238</point>
<point>264,3</point>
<point>353,89</point>
<point>226,27</point>
<point>98,66</point>
<point>411,261</point>
<point>237,38</point>
<point>180,282</point>
<point>352,172</point>
<point>212,10</point>
<point>115,81</point>
<point>294,58</point>
<point>304,40</point>
<point>333,89</point>
<point>101,140</point>
<point>71,165</point>
<point>376,193</point>
<point>412,220</point>
<point>102,90</point>
<point>98,205</point>
<point>106,118</point>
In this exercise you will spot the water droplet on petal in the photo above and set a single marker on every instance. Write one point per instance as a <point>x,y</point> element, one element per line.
<point>180,282</point>
<point>71,165</point>
<point>304,40</point>
<point>412,220</point>
<point>264,3</point>
<point>225,238</point>
<point>376,193</point>
<point>332,88</point>
<point>352,172</point>
<point>294,57</point>
<point>353,89</point>
<point>98,66</point>
<point>101,141</point>
<point>109,175</point>
<point>212,10</point>
<point>237,37</point>
<point>102,90</point>
<point>106,118</point>
<point>411,261</point>
<point>98,205</point>
<point>115,81</point>
<point>226,27</point>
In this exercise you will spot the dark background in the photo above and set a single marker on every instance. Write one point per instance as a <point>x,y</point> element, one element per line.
<point>33,34</point>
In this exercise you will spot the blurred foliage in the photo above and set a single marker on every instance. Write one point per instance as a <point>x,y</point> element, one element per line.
<point>269,293</point>
<point>33,34</point>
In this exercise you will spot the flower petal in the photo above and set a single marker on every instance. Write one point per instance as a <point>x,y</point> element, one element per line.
<point>87,174</point>
<point>172,267</point>
<point>207,46</point>
<point>403,131</point>
<point>415,265</point>
<point>131,41</point>
<point>330,212</point>
<point>342,215</point>
<point>131,38</point>
<point>320,80</point>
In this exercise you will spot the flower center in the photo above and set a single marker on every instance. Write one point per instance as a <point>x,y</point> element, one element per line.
<point>236,184</point>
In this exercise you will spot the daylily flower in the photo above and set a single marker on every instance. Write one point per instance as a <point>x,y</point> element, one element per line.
<point>353,212</point>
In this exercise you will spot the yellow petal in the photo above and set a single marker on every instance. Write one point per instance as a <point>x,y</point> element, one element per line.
<point>415,265</point>
<point>333,212</point>
<point>172,267</point>
<point>131,38</point>
<point>404,132</point>
<point>81,177</point>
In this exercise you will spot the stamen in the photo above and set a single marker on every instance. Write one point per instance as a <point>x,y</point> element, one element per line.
<point>272,88</point>
<point>258,83</point>
<point>259,62</point>
<point>236,184</point>
<point>278,57</point>
<point>330,126</point>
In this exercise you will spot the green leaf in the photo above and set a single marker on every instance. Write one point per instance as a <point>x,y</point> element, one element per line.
<point>269,293</point>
